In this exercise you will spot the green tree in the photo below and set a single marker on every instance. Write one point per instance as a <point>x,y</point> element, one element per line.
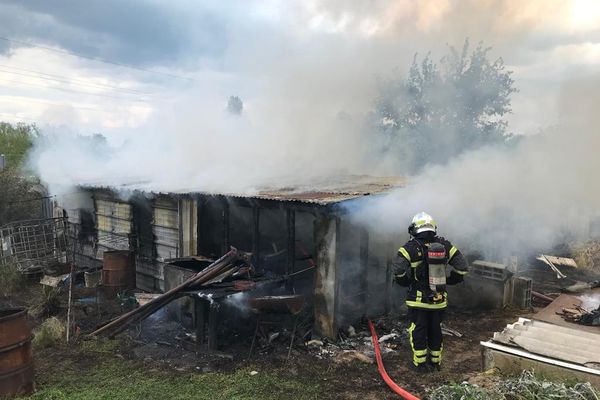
<point>19,194</point>
<point>443,109</point>
<point>15,141</point>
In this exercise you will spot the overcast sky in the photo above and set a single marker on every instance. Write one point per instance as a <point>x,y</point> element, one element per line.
<point>325,54</point>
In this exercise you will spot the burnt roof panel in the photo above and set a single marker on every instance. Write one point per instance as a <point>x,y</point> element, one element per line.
<point>322,191</point>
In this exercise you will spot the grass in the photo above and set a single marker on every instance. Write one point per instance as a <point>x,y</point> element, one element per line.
<point>463,391</point>
<point>46,302</point>
<point>122,380</point>
<point>10,279</point>
<point>527,386</point>
<point>103,376</point>
<point>49,333</point>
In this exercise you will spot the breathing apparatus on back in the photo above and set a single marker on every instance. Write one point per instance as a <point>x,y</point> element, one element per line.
<point>434,255</point>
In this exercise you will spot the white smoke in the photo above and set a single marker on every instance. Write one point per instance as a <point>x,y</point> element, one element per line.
<point>308,79</point>
<point>542,191</point>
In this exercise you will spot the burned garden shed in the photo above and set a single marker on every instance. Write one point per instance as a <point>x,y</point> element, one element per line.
<point>300,234</point>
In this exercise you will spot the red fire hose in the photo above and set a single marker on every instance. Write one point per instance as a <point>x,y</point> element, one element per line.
<point>405,395</point>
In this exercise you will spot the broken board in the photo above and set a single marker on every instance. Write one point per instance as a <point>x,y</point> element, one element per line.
<point>565,300</point>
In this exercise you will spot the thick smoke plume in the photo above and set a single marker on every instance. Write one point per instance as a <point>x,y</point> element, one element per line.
<point>541,192</point>
<point>307,93</point>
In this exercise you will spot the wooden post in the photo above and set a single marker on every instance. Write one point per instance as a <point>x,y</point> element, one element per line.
<point>213,314</point>
<point>200,322</point>
<point>388,281</point>
<point>326,277</point>
<point>225,220</point>
<point>256,236</point>
<point>291,248</point>
<point>364,265</point>
<point>71,279</point>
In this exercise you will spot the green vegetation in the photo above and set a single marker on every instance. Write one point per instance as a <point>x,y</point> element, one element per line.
<point>10,279</point>
<point>49,333</point>
<point>442,109</point>
<point>463,391</point>
<point>527,386</point>
<point>118,379</point>
<point>18,191</point>
<point>15,141</point>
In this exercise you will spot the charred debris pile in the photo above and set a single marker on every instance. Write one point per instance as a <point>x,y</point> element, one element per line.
<point>231,264</point>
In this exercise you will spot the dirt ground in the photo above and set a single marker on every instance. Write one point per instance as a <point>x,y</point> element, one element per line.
<point>159,345</point>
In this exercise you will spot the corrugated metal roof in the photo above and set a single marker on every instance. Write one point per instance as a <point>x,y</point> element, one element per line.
<point>331,191</point>
<point>558,342</point>
<point>321,191</point>
<point>548,335</point>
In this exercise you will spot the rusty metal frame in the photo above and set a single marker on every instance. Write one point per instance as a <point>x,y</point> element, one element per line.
<point>30,242</point>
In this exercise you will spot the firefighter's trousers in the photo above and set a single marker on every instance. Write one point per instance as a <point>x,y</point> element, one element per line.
<point>425,334</point>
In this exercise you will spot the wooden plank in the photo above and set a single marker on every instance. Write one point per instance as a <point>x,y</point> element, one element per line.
<point>118,325</point>
<point>291,247</point>
<point>324,295</point>
<point>200,322</point>
<point>213,318</point>
<point>256,236</point>
<point>548,314</point>
<point>225,222</point>
<point>545,260</point>
<point>53,281</point>
<point>364,265</point>
<point>567,262</point>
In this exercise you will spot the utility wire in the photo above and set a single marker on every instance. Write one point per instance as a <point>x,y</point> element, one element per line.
<point>90,86</point>
<point>48,103</point>
<point>74,91</point>
<point>71,53</point>
<point>58,78</point>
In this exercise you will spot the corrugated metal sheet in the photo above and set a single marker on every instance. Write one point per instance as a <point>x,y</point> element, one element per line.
<point>325,191</point>
<point>114,224</point>
<point>322,191</point>
<point>558,342</point>
<point>549,340</point>
<point>165,226</point>
<point>113,209</point>
<point>188,210</point>
<point>150,275</point>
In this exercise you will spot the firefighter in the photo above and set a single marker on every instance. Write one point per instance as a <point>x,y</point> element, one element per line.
<point>421,266</point>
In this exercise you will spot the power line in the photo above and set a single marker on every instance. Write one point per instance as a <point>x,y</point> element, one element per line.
<point>74,91</point>
<point>63,79</point>
<point>48,103</point>
<point>71,53</point>
<point>91,86</point>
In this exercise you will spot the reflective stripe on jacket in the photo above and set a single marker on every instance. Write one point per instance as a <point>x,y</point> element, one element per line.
<point>416,273</point>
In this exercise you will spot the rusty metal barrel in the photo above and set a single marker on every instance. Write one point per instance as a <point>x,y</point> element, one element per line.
<point>118,271</point>
<point>16,361</point>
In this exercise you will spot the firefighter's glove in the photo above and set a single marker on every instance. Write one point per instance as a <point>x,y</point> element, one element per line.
<point>454,278</point>
<point>402,280</point>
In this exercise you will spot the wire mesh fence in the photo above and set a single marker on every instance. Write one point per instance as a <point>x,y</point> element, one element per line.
<point>32,243</point>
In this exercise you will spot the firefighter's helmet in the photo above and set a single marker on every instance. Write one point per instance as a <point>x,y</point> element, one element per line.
<point>422,222</point>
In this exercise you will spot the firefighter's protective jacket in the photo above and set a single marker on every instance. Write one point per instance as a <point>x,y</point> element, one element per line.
<point>410,270</point>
